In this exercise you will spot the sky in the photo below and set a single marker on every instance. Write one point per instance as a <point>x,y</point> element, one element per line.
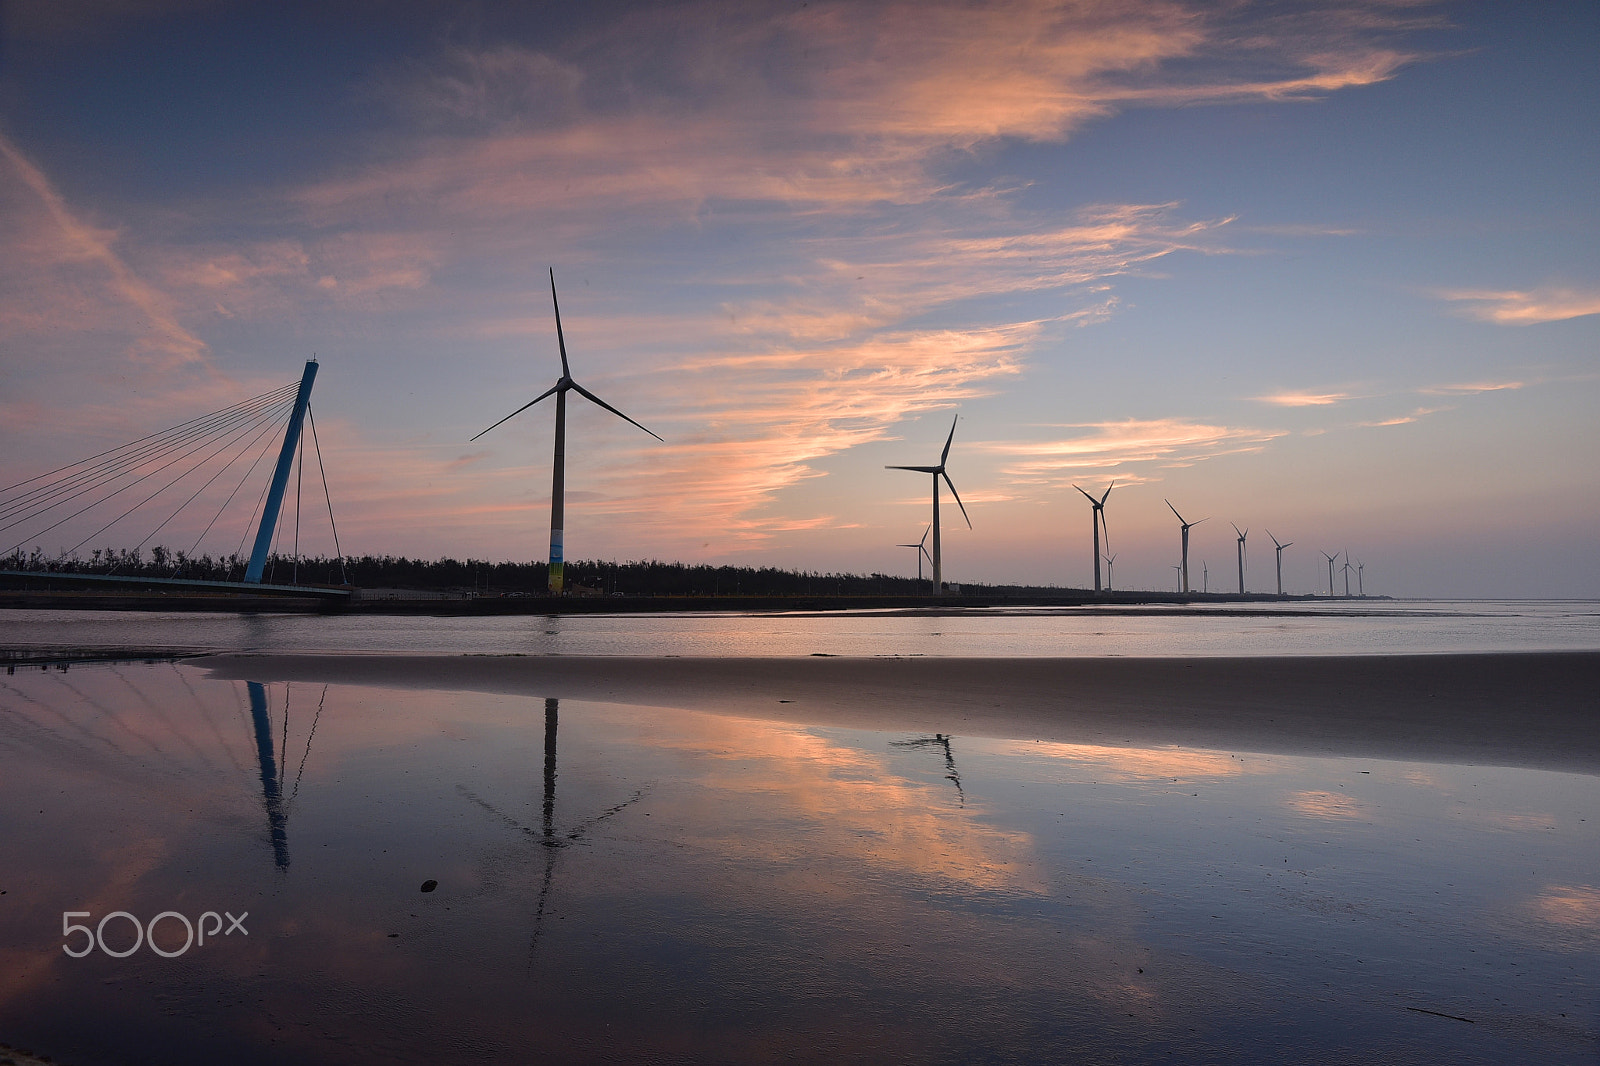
<point>1324,269</point>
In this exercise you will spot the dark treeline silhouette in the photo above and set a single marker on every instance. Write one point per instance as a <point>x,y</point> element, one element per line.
<point>485,578</point>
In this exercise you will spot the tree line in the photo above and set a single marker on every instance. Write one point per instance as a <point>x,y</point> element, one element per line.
<point>485,578</point>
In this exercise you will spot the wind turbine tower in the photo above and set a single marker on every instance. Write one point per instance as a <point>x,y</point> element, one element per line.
<point>558,478</point>
<point>1098,519</point>
<point>1243,535</point>
<point>938,472</point>
<point>1279,548</point>
<point>1185,524</point>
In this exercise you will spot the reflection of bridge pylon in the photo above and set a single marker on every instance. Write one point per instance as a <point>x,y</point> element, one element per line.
<point>271,782</point>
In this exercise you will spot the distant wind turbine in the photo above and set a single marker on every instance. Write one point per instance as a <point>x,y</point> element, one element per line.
<point>1097,518</point>
<point>1330,559</point>
<point>1347,569</point>
<point>938,472</point>
<point>558,478</point>
<point>922,549</point>
<point>1361,585</point>
<point>1280,548</point>
<point>1205,576</point>
<point>1185,524</point>
<point>1181,587</point>
<point>1110,562</point>
<point>1242,535</point>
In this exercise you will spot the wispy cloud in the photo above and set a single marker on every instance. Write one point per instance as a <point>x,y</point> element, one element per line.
<point>1525,308</point>
<point>1402,420</point>
<point>1104,449</point>
<point>1472,388</point>
<point>1303,398</point>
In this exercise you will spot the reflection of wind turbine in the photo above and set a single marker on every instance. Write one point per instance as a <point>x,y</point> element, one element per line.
<point>1279,548</point>
<point>1185,524</point>
<point>1097,518</point>
<point>558,478</point>
<point>938,472</point>
<point>922,549</point>
<point>941,740</point>
<point>1242,535</point>
<point>1330,559</point>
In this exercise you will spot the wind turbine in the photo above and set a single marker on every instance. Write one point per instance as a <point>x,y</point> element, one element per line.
<point>1098,518</point>
<point>1347,569</point>
<point>1361,585</point>
<point>922,549</point>
<point>558,478</point>
<point>938,472</point>
<point>1205,576</point>
<point>1242,535</point>
<point>1330,559</point>
<point>1280,548</point>
<point>1185,523</point>
<point>1179,576</point>
<point>1110,562</point>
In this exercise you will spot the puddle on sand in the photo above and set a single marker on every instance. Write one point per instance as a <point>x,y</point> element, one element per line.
<point>616,882</point>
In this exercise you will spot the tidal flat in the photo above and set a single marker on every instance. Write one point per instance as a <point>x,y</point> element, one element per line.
<point>495,871</point>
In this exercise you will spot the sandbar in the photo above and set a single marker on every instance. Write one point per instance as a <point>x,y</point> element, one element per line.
<point>1538,710</point>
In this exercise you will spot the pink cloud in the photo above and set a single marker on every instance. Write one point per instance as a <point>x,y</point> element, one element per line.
<point>1525,308</point>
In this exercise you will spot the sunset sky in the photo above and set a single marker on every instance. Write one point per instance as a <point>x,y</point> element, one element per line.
<point>1325,268</point>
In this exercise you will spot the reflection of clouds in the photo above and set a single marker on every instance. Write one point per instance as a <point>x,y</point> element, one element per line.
<point>1329,805</point>
<point>1571,905</point>
<point>1132,764</point>
<point>847,803</point>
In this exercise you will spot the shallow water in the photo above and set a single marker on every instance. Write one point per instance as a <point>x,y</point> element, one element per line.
<point>1329,628</point>
<point>616,882</point>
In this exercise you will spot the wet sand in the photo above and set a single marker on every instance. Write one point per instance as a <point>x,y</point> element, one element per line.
<point>1539,710</point>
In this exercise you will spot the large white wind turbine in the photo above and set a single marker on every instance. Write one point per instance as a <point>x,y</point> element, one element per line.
<point>558,479</point>
<point>922,550</point>
<point>938,472</point>
<point>1280,548</point>
<point>1242,535</point>
<point>1184,558</point>
<point>1097,518</point>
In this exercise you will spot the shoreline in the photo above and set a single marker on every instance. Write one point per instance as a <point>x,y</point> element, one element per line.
<point>1534,710</point>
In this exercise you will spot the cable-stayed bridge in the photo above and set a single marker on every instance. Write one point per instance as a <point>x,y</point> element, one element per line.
<point>172,480</point>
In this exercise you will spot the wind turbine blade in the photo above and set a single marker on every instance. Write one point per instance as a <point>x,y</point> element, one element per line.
<point>1107,492</point>
<point>1283,545</point>
<point>1235,526</point>
<point>592,398</point>
<point>1174,510</point>
<point>925,533</point>
<point>926,554</point>
<point>560,338</point>
<point>519,410</point>
<point>957,495</point>
<point>946,453</point>
<point>918,469</point>
<point>1088,497</point>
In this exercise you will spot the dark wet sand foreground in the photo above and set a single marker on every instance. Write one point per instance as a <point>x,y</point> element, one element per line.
<point>1538,710</point>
